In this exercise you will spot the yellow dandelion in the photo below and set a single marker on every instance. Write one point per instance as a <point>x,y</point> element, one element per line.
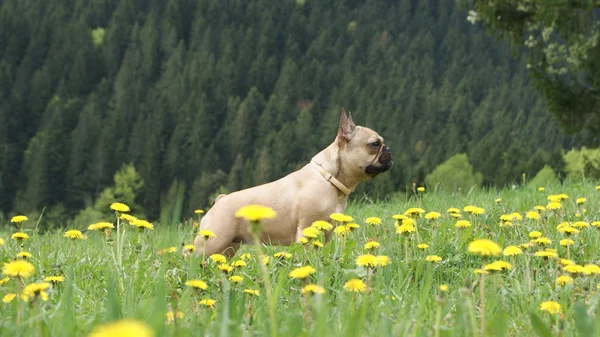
<point>414,211</point>
<point>74,234</point>
<point>551,307</point>
<point>564,280</point>
<point>255,213</point>
<point>312,289</point>
<point>218,258</point>
<point>252,292</point>
<point>167,250</point>
<point>339,217</point>
<point>18,219</point>
<point>535,234</point>
<point>462,224</point>
<point>284,255</point>
<point>100,226</point>
<point>302,272</point>
<point>383,260</point>
<point>533,215</point>
<point>367,260</point>
<point>18,268</point>
<point>422,246</point>
<point>122,328</point>
<point>4,280</point>
<point>591,269</point>
<point>1,242</point>
<point>444,288</point>
<point>565,262</point>
<point>421,189</point>
<point>568,230</point>
<point>189,248</point>
<point>310,232</point>
<point>581,224</point>
<point>19,236</point>
<point>128,217</point>
<point>206,234</point>
<point>372,245</point>
<point>54,279</point>
<point>322,225</point>
<point>574,269</point>
<point>197,284</point>
<point>541,189</point>
<point>304,240</point>
<point>580,201</point>
<point>474,210</point>
<point>171,316</point>
<point>554,205</point>
<point>208,303</point>
<point>453,210</point>
<point>355,285</point>
<point>239,263</point>
<point>198,211</point>
<point>37,289</point>
<point>566,242</point>
<point>484,247</point>
<point>405,229</point>
<point>225,268</point>
<point>432,215</point>
<point>540,208</point>
<point>433,258</point>
<point>9,297</point>
<point>373,221</point>
<point>546,254</point>
<point>542,241</point>
<point>595,224</point>
<point>143,224</point>
<point>498,200</point>
<point>24,255</point>
<point>352,226</point>
<point>316,243</point>
<point>236,279</point>
<point>498,266</point>
<point>340,230</point>
<point>512,251</point>
<point>399,217</point>
<point>119,207</point>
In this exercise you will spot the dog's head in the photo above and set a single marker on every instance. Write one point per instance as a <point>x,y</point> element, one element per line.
<point>362,150</point>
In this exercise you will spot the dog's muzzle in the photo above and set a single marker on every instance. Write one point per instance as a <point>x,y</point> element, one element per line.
<point>384,163</point>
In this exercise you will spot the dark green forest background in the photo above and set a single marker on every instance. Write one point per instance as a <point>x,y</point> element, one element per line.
<point>210,95</point>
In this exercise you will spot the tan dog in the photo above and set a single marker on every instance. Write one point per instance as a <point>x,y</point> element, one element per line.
<point>312,193</point>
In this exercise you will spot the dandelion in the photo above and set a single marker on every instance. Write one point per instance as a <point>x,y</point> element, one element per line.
<point>551,307</point>
<point>19,236</point>
<point>498,266</point>
<point>171,316</point>
<point>432,215</point>
<point>372,245</point>
<point>422,246</point>
<point>167,250</point>
<point>580,201</point>
<point>302,272</point>
<point>252,292</point>
<point>567,230</point>
<point>206,234</point>
<point>373,221</point>
<point>316,243</point>
<point>74,234</point>
<point>546,254</point>
<point>304,240</point>
<point>18,219</point>
<point>143,224</point>
<point>198,211</point>
<point>591,269</point>
<point>474,210</point>
<point>54,279</point>
<point>37,289</point>
<point>284,255</point>
<point>119,207</point>
<point>574,269</point>
<point>414,211</point>
<point>355,285</point>
<point>4,280</point>
<point>444,288</point>
<point>484,247</point>
<point>239,264</point>
<point>100,226</point>
<point>533,215</point>
<point>322,225</point>
<point>563,280</point>
<point>399,217</point>
<point>339,217</point>
<point>453,210</point>
<point>122,328</point>
<point>565,262</point>
<point>421,189</point>
<point>208,303</point>
<point>540,208</point>
<point>225,268</point>
<point>255,213</point>
<point>129,218</point>
<point>218,258</point>
<point>462,224</point>
<point>566,242</point>
<point>352,226</point>
<point>405,229</point>
<point>340,230</point>
<point>554,205</point>
<point>1,242</point>
<point>580,224</point>
<point>498,200</point>
<point>383,260</point>
<point>18,268</point>
<point>433,258</point>
<point>312,289</point>
<point>535,234</point>
<point>596,224</point>
<point>367,260</point>
<point>197,284</point>
<point>24,255</point>
<point>9,297</point>
<point>512,251</point>
<point>310,232</point>
<point>236,279</point>
<point>542,241</point>
<point>189,248</point>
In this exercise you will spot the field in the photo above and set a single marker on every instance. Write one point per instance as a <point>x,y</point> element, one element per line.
<point>132,274</point>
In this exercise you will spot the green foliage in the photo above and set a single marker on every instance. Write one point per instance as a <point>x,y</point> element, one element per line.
<point>98,36</point>
<point>582,163</point>
<point>546,176</point>
<point>455,174</point>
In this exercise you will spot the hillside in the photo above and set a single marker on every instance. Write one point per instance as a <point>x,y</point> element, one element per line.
<point>222,95</point>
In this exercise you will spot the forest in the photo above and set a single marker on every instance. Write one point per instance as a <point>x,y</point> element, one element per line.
<point>204,97</point>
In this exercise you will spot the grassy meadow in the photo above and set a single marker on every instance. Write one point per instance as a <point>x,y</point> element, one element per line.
<point>138,274</point>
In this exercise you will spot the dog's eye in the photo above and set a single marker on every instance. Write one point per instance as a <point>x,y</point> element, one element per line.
<point>376,144</point>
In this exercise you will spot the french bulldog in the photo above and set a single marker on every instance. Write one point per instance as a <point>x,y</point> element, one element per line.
<point>312,193</point>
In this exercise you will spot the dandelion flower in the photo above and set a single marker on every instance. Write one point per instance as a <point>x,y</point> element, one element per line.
<point>18,268</point>
<point>484,247</point>
<point>310,232</point>
<point>414,211</point>
<point>540,208</point>
<point>252,292</point>
<point>421,189</point>
<point>119,207</point>
<point>9,297</point>
<point>568,230</point>
<point>367,260</point>
<point>498,200</point>
<point>197,284</point>
<point>372,245</point>
<point>498,266</point>
<point>574,269</point>
<point>316,243</point>
<point>546,254</point>
<point>37,289</point>
<point>373,221</point>
<point>19,236</point>
<point>208,303</point>
<point>24,255</point>
<point>422,246</point>
<point>239,263</point>
<point>595,224</point>
<point>580,224</point>
<point>225,268</point>
<point>143,224</point>
<point>352,226</point>
<point>355,285</point>
<point>383,260</point>
<point>128,217</point>
<point>551,307</point>
<point>74,234</point>
<point>1,242</point>
<point>433,258</point>
<point>322,225</point>
<point>340,230</point>
<point>198,211</point>
<point>304,240</point>
<point>4,280</point>
<point>474,210</point>
<point>189,248</point>
<point>444,288</point>
<point>206,234</point>
<point>312,289</point>
<point>580,201</point>
<point>236,279</point>
<point>462,224</point>
<point>591,269</point>
<point>564,280</point>
<point>533,215</point>
<point>432,215</point>
<point>339,217</point>
<point>255,213</point>
<point>535,234</point>
<point>399,216</point>
<point>284,255</point>
<point>566,242</point>
<point>405,229</point>
<point>122,328</point>
<point>453,210</point>
<point>18,219</point>
<point>565,262</point>
<point>542,241</point>
<point>171,316</point>
<point>54,279</point>
<point>554,205</point>
<point>167,250</point>
<point>302,272</point>
<point>218,258</point>
<point>512,251</point>
<point>100,226</point>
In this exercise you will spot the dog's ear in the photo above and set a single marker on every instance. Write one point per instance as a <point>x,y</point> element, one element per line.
<point>346,128</point>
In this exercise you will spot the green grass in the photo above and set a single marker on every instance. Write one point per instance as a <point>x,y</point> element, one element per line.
<point>402,298</point>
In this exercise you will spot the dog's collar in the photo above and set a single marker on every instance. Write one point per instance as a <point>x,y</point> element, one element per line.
<point>329,177</point>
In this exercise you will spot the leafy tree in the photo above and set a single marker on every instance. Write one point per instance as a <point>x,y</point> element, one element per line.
<point>455,174</point>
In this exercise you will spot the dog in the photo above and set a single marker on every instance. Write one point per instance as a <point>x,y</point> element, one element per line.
<point>312,193</point>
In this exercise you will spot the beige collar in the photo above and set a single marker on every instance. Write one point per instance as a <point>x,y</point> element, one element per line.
<point>329,177</point>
